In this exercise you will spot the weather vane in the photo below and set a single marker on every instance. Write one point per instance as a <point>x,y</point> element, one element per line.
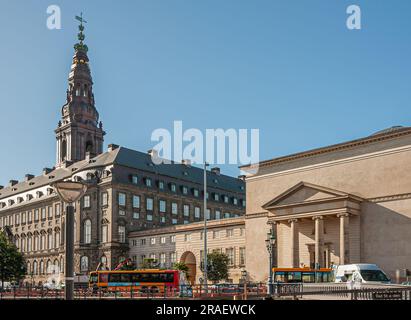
<point>80,35</point>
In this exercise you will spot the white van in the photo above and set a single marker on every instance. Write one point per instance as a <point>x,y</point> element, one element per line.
<point>361,272</point>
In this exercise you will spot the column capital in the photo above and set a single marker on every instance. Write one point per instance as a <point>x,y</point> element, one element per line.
<point>317,218</point>
<point>269,222</point>
<point>343,214</point>
<point>292,220</point>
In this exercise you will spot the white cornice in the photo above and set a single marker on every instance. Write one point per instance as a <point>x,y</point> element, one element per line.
<point>332,163</point>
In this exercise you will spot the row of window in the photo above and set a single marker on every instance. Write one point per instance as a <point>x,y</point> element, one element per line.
<point>168,259</point>
<point>48,268</point>
<point>31,216</point>
<point>185,190</point>
<point>162,207</point>
<point>234,259</point>
<point>29,196</point>
<point>228,233</point>
<point>44,241</point>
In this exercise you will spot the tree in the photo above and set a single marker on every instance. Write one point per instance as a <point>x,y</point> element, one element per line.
<point>217,269</point>
<point>182,267</point>
<point>12,264</point>
<point>149,263</point>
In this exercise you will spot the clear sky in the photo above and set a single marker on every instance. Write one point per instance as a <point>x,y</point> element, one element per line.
<point>290,68</point>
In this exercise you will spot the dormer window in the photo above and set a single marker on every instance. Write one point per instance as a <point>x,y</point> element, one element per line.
<point>196,192</point>
<point>134,179</point>
<point>173,187</point>
<point>20,199</point>
<point>148,182</point>
<point>39,194</point>
<point>50,191</point>
<point>184,189</point>
<point>235,201</point>
<point>225,199</point>
<point>11,202</point>
<point>216,197</point>
<point>29,197</point>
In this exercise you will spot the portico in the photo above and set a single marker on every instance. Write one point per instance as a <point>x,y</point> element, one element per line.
<point>312,224</point>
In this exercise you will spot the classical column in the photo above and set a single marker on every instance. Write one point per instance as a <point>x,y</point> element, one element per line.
<point>319,241</point>
<point>275,247</point>
<point>344,238</point>
<point>294,242</point>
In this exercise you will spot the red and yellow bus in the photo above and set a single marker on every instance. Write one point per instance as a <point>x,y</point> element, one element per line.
<point>147,280</point>
<point>306,275</point>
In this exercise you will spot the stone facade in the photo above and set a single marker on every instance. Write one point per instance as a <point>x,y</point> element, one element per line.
<point>184,243</point>
<point>345,203</point>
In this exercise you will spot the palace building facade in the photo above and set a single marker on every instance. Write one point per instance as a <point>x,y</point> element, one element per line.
<point>126,191</point>
<point>345,203</point>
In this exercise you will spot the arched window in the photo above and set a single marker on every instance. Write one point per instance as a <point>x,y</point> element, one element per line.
<point>36,242</point>
<point>29,247</point>
<point>104,261</point>
<point>104,233</point>
<point>56,266</point>
<point>42,242</point>
<point>28,267</point>
<point>61,265</point>
<point>23,244</point>
<point>49,268</point>
<point>50,241</point>
<point>34,267</point>
<point>89,146</point>
<point>57,239</point>
<point>84,263</point>
<point>87,231</point>
<point>63,150</point>
<point>41,267</point>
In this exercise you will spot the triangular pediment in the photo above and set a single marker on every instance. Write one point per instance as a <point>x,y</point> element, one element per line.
<point>304,192</point>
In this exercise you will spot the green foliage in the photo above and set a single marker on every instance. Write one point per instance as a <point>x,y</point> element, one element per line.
<point>217,266</point>
<point>149,263</point>
<point>12,264</point>
<point>182,267</point>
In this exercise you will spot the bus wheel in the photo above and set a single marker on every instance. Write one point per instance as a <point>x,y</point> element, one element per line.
<point>154,290</point>
<point>144,289</point>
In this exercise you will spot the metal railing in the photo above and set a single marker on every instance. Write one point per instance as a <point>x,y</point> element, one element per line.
<point>197,291</point>
<point>342,291</point>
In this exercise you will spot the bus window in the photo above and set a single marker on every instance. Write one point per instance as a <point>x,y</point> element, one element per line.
<point>279,276</point>
<point>308,277</point>
<point>93,278</point>
<point>103,277</point>
<point>294,276</point>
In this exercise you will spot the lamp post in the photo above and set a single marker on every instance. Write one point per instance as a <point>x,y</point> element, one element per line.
<point>205,228</point>
<point>269,243</point>
<point>69,192</point>
<point>244,277</point>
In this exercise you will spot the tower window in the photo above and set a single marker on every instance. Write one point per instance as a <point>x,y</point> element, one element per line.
<point>89,146</point>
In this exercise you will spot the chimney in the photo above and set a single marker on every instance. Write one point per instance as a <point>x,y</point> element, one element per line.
<point>13,182</point>
<point>28,177</point>
<point>112,147</point>
<point>46,171</point>
<point>186,162</point>
<point>215,170</point>
<point>242,177</point>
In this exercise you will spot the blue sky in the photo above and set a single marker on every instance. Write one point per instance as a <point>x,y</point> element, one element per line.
<point>289,68</point>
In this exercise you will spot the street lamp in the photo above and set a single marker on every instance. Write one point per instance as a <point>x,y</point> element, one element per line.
<point>269,243</point>
<point>205,228</point>
<point>244,278</point>
<point>69,192</point>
